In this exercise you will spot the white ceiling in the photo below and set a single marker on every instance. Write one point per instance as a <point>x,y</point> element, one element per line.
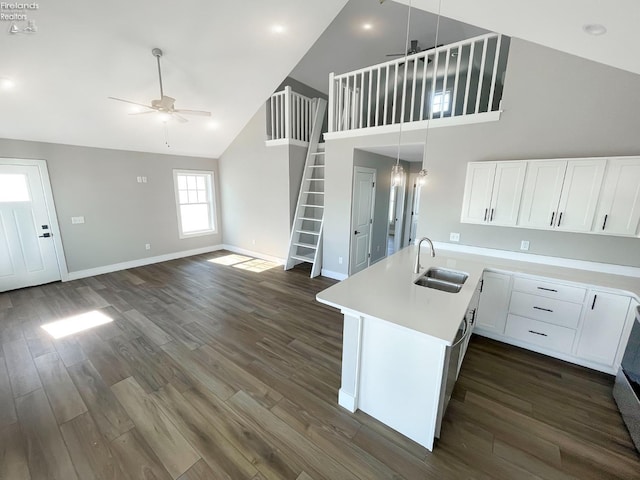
<point>222,56</point>
<point>219,56</point>
<point>556,24</point>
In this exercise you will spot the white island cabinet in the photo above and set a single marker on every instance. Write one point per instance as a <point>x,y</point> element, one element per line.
<point>397,344</point>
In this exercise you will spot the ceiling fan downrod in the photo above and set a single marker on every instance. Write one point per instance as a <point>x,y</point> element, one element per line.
<point>156,52</point>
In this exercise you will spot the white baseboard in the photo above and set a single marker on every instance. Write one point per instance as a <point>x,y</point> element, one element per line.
<point>262,256</point>
<point>334,275</point>
<point>140,262</point>
<point>613,269</point>
<point>347,401</point>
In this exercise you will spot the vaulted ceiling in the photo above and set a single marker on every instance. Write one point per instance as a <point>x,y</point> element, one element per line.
<point>227,57</point>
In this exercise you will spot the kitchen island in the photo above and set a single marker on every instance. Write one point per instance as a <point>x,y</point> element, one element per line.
<point>398,362</point>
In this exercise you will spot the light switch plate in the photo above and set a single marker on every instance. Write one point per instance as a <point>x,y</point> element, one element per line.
<point>524,245</point>
<point>76,220</point>
<point>454,237</point>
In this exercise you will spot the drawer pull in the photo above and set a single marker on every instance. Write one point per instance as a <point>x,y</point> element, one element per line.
<point>544,309</point>
<point>538,333</point>
<point>548,289</point>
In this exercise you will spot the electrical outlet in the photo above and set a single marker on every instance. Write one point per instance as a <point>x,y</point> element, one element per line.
<point>144,179</point>
<point>147,246</point>
<point>340,260</point>
<point>454,237</point>
<point>524,245</point>
<point>76,220</point>
<point>139,179</point>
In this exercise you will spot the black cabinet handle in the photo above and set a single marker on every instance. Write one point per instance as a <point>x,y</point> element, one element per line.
<point>486,212</point>
<point>593,305</point>
<point>538,333</point>
<point>543,309</point>
<point>604,224</point>
<point>553,215</point>
<point>548,289</point>
<point>560,218</point>
<point>491,217</point>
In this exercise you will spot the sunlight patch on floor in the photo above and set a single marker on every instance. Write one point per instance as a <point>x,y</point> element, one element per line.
<point>77,323</point>
<point>256,265</point>
<point>229,259</point>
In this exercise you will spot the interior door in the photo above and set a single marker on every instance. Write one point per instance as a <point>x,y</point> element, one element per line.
<point>362,218</point>
<point>27,250</point>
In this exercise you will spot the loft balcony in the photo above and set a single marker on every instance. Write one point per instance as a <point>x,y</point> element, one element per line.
<point>453,84</point>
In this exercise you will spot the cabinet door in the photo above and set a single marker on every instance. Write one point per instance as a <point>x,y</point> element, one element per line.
<point>541,194</point>
<point>619,208</point>
<point>602,326</point>
<point>494,300</point>
<point>477,192</point>
<point>507,193</point>
<point>580,192</point>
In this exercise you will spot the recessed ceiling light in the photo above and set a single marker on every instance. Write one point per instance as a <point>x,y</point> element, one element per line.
<point>6,83</point>
<point>594,29</point>
<point>367,26</point>
<point>278,29</point>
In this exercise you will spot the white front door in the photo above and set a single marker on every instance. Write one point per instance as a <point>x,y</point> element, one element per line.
<point>27,249</point>
<point>362,217</point>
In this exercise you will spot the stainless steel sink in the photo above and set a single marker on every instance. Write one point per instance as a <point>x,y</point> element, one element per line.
<point>442,279</point>
<point>446,275</point>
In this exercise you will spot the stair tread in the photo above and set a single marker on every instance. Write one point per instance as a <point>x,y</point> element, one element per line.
<point>305,245</point>
<point>315,193</point>
<point>311,219</point>
<point>312,206</point>
<point>316,166</point>
<point>308,232</point>
<point>303,258</point>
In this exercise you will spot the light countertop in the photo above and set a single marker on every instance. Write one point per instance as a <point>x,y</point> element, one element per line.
<point>386,290</point>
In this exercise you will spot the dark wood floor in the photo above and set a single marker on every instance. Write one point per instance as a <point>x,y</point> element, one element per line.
<point>209,371</point>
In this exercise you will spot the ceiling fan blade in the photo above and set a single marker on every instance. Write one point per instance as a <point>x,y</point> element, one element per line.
<point>179,118</point>
<point>129,101</point>
<point>394,55</point>
<point>143,113</point>
<point>194,112</point>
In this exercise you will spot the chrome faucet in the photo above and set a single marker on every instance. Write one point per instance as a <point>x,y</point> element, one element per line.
<point>417,267</point>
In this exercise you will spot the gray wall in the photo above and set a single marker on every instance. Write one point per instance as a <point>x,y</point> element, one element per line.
<point>555,105</point>
<point>121,215</point>
<point>255,191</point>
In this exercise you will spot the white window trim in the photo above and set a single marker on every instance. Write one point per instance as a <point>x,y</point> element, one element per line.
<point>212,201</point>
<point>443,94</point>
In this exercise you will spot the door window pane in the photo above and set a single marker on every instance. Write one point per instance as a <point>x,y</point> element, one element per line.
<point>14,188</point>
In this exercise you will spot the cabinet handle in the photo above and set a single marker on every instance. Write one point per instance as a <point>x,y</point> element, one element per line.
<point>538,333</point>
<point>553,215</point>
<point>559,219</point>
<point>593,305</point>
<point>604,224</point>
<point>486,212</point>
<point>548,289</point>
<point>544,309</point>
<point>491,217</point>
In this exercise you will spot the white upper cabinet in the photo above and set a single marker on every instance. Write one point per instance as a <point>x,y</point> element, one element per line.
<point>492,192</point>
<point>580,192</point>
<point>619,208</point>
<point>541,195</point>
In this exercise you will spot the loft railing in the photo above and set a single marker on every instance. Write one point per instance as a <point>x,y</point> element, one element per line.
<point>291,116</point>
<point>455,80</point>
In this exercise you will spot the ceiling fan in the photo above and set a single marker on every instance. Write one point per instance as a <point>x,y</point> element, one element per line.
<point>165,105</point>
<point>414,48</point>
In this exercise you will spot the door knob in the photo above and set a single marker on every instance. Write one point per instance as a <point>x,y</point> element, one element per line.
<point>356,232</point>
<point>45,235</point>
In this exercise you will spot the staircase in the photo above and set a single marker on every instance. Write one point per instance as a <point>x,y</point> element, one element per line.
<point>305,244</point>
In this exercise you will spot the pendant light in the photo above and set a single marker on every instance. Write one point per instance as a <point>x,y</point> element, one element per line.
<point>422,175</point>
<point>397,172</point>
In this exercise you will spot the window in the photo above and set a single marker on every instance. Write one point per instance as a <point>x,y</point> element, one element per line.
<point>195,202</point>
<point>441,102</point>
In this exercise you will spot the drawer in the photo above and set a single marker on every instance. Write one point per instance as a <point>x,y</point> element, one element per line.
<point>558,312</point>
<point>550,289</point>
<point>553,337</point>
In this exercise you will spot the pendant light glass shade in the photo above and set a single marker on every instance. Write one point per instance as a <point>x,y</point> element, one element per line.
<point>422,177</point>
<point>397,175</point>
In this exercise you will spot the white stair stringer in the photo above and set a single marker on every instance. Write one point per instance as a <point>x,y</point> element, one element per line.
<point>305,243</point>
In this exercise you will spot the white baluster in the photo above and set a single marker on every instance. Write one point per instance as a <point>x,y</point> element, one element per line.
<point>469,72</point>
<point>481,77</point>
<point>495,73</point>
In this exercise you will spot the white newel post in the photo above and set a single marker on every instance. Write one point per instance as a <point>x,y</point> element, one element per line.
<point>332,121</point>
<point>287,112</point>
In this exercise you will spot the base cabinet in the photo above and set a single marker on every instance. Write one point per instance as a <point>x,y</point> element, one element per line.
<point>493,303</point>
<point>567,321</point>
<point>602,326</point>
